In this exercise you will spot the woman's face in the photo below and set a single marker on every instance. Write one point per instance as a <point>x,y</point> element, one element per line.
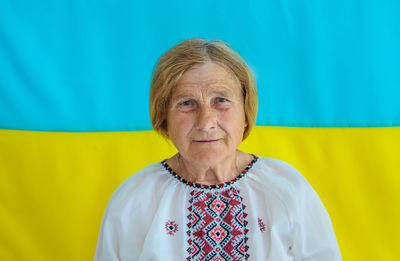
<point>206,117</point>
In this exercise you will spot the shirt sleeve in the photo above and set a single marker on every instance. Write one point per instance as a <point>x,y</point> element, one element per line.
<point>108,241</point>
<point>314,238</point>
<point>128,218</point>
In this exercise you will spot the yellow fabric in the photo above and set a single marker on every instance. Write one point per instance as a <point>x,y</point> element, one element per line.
<point>55,186</point>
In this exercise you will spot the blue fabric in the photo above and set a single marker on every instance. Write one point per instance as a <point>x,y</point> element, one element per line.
<point>86,65</point>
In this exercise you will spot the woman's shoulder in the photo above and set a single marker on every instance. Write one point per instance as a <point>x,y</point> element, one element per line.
<point>276,168</point>
<point>278,176</point>
<point>139,184</point>
<point>282,180</point>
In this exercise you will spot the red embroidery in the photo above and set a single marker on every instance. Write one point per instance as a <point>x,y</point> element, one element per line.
<point>261,225</point>
<point>171,227</point>
<point>217,226</point>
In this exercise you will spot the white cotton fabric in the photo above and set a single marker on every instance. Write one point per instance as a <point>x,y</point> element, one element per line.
<point>297,226</point>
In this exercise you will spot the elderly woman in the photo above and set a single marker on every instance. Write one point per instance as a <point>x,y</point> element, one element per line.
<point>211,201</point>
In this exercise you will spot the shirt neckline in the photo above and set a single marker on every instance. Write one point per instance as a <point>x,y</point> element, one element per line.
<point>202,186</point>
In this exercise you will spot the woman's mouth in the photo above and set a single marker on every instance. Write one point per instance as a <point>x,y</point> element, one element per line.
<point>206,140</point>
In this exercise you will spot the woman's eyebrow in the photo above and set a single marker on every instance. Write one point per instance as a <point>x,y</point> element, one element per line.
<point>221,93</point>
<point>181,96</point>
<point>182,92</point>
<point>188,92</point>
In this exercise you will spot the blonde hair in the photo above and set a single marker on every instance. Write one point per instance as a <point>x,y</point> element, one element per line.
<point>183,56</point>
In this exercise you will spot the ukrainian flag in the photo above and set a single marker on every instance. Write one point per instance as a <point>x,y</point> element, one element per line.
<point>74,118</point>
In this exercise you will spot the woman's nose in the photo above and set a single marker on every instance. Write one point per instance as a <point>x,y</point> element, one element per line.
<point>206,119</point>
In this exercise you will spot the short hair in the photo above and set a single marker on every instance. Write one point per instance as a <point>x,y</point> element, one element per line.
<point>183,56</point>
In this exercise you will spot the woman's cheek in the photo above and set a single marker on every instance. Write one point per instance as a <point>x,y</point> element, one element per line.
<point>185,123</point>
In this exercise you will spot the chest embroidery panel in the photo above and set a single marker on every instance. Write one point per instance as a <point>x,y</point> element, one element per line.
<point>216,226</point>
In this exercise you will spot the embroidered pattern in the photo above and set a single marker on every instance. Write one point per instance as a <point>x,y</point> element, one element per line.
<point>171,227</point>
<point>261,225</point>
<point>217,226</point>
<point>217,221</point>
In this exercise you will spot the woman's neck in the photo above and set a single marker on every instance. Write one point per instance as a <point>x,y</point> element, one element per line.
<point>219,173</point>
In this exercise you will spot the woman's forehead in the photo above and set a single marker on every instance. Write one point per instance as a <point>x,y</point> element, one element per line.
<point>209,77</point>
<point>211,90</point>
<point>207,87</point>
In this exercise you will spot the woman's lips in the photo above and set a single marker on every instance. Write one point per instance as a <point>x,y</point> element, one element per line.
<point>206,140</point>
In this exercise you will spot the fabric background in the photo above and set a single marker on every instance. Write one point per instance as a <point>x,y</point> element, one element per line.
<point>74,119</point>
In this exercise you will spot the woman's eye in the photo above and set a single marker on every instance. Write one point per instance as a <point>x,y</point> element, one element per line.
<point>221,99</point>
<point>186,103</point>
